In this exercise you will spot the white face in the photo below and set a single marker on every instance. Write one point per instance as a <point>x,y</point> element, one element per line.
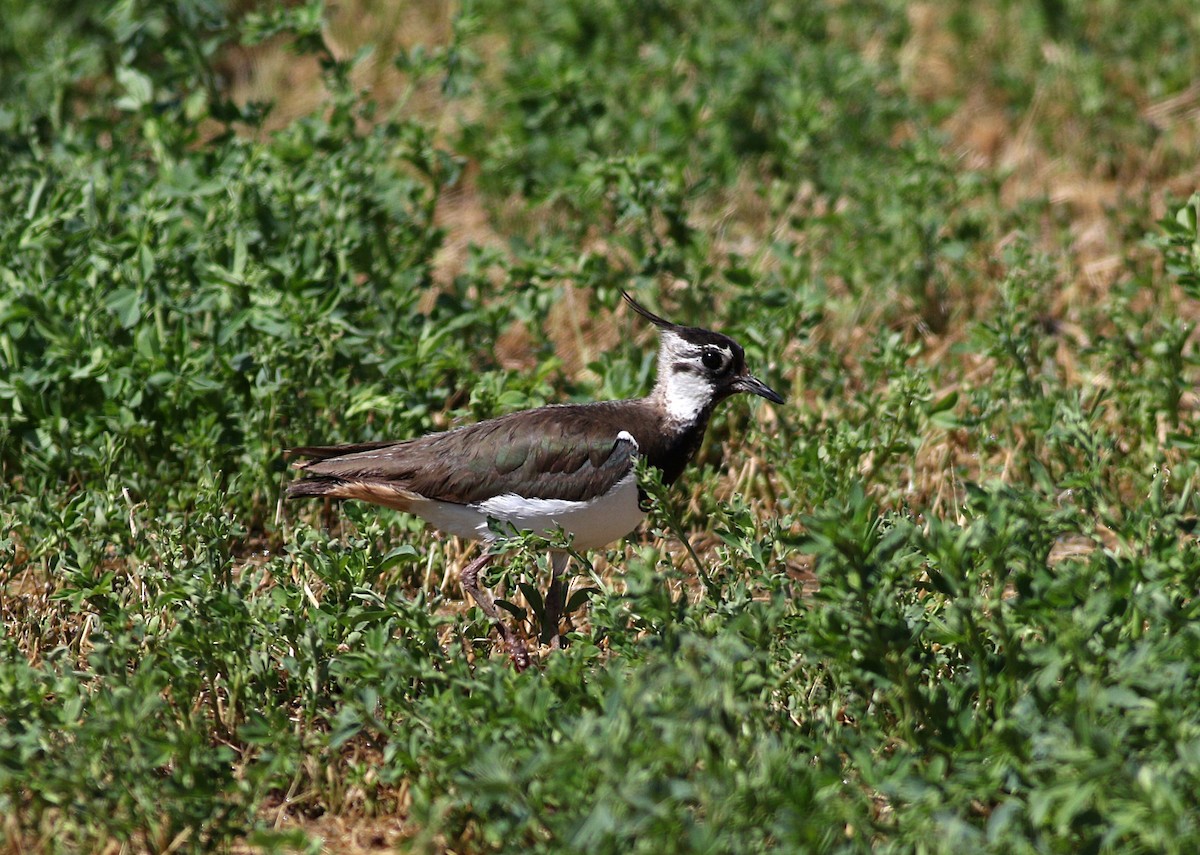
<point>690,374</point>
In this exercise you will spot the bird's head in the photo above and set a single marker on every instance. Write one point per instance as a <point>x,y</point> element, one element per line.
<point>697,368</point>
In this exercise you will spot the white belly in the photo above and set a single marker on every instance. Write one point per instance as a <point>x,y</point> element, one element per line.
<point>593,524</point>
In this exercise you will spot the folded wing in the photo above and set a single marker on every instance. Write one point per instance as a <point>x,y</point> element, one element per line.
<point>567,452</point>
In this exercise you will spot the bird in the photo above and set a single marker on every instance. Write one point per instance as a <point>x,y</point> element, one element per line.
<point>558,468</point>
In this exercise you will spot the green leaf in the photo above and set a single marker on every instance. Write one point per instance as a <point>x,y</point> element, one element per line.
<point>139,90</point>
<point>126,304</point>
<point>534,597</point>
<point>580,597</point>
<point>513,609</point>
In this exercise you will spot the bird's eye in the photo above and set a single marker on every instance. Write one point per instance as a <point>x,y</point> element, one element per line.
<point>712,359</point>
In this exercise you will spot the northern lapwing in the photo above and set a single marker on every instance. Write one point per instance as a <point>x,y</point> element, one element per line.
<point>568,467</point>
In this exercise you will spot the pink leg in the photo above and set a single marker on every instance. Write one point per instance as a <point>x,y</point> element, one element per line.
<point>512,642</point>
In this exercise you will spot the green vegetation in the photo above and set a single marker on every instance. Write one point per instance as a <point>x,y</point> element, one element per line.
<point>948,596</point>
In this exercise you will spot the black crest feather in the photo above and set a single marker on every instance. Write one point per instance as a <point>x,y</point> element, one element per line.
<point>661,323</point>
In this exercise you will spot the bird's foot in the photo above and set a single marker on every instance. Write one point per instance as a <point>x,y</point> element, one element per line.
<point>513,643</point>
<point>517,651</point>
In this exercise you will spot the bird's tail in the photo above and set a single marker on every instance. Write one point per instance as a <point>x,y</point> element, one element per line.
<point>315,486</point>
<point>348,481</point>
<point>327,452</point>
<point>363,489</point>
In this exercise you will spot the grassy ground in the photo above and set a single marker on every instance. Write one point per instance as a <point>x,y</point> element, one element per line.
<point>948,596</point>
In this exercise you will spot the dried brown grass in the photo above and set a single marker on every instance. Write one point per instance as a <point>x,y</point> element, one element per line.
<point>985,132</point>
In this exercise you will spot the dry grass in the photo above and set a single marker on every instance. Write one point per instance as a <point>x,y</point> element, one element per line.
<point>1087,202</point>
<point>1086,199</point>
<point>273,73</point>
